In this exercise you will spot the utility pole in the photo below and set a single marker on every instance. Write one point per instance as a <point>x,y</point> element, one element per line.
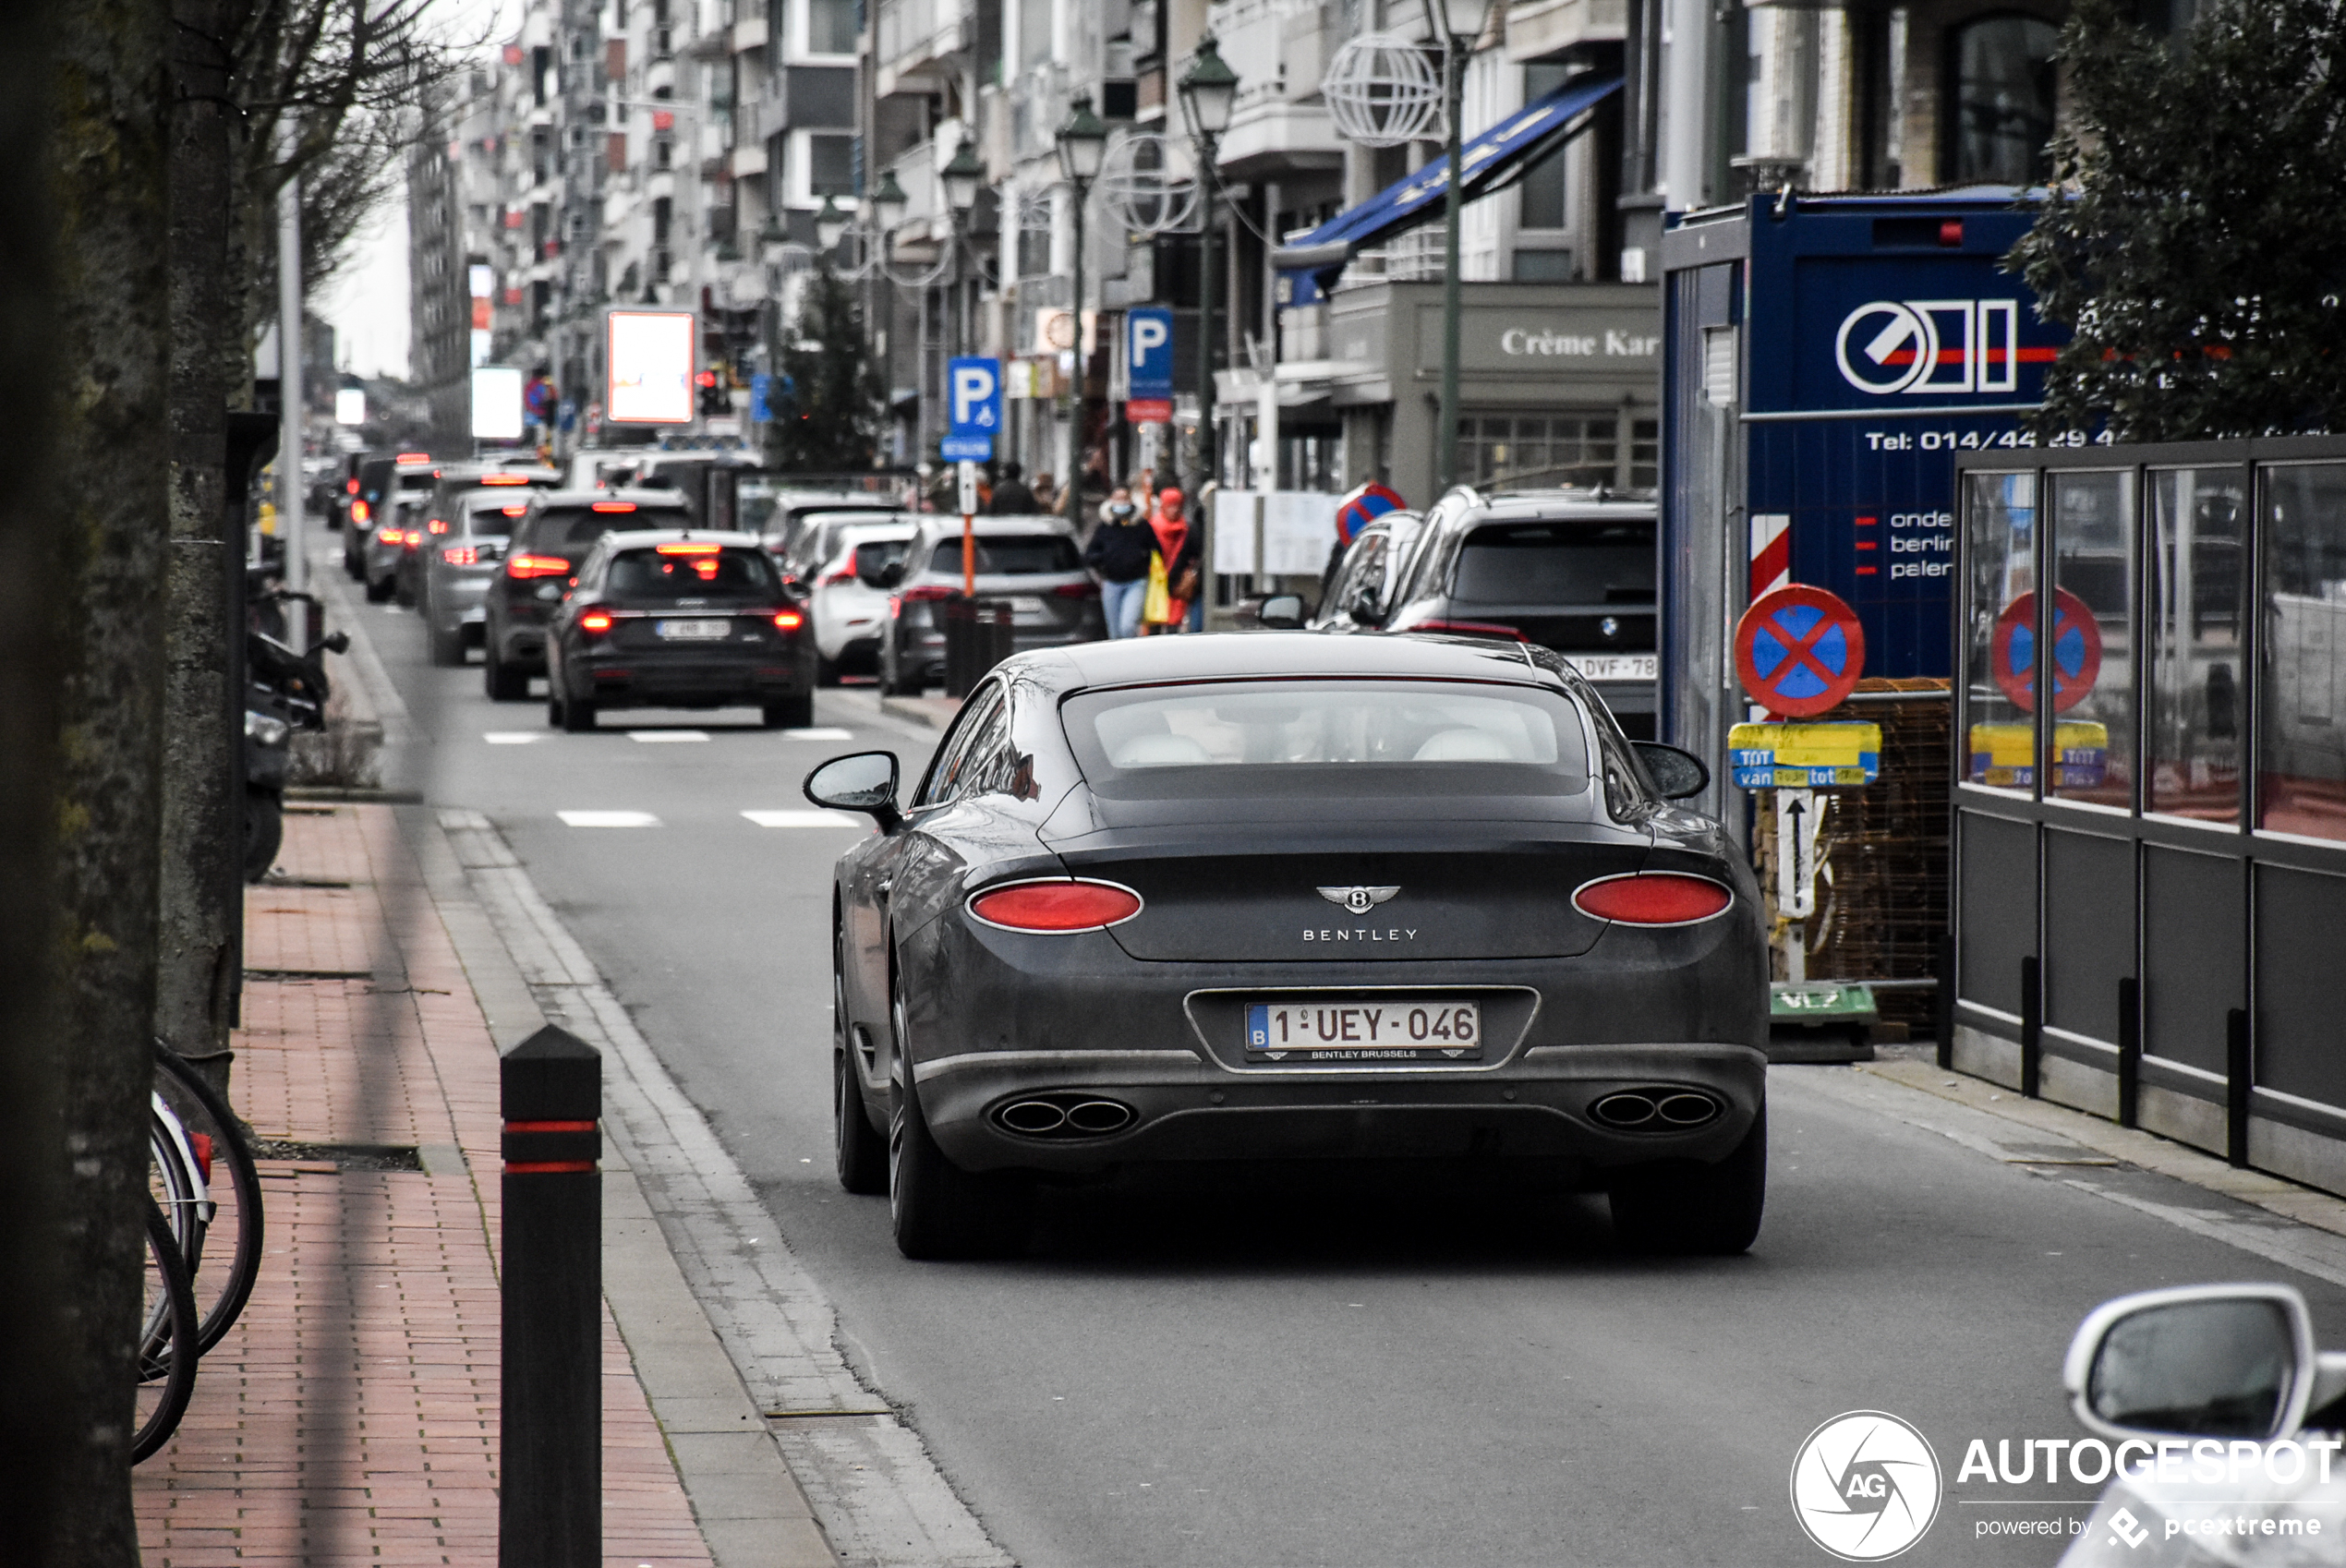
<point>289,497</point>
<point>1446,436</point>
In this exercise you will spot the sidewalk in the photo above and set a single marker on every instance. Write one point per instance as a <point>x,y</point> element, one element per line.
<point>352,1414</point>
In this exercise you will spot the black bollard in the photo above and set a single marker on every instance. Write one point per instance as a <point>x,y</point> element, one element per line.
<point>549,1499</point>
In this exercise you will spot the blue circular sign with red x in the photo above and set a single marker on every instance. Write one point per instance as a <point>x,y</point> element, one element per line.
<point>1800,651</point>
<point>2077,651</point>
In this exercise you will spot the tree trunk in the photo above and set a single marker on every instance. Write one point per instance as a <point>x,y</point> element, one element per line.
<point>110,471</point>
<point>38,1404</point>
<point>202,899</point>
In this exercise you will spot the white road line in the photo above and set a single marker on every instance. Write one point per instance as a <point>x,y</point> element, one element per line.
<point>609,818</point>
<point>803,819</point>
<point>512,737</point>
<point>820,734</point>
<point>657,735</point>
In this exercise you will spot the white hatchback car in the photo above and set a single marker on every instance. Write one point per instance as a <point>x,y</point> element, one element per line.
<point>848,613</point>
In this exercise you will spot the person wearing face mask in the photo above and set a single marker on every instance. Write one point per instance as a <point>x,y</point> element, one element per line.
<point>1120,551</point>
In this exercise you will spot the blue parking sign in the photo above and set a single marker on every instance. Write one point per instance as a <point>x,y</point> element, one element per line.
<point>1148,343</point>
<point>973,407</point>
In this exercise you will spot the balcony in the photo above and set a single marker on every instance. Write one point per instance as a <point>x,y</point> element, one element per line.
<point>747,35</point>
<point>913,43</point>
<point>1544,28</point>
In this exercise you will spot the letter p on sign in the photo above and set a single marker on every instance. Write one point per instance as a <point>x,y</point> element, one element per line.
<point>977,397</point>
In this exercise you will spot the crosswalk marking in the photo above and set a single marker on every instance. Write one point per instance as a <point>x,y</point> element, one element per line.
<point>657,735</point>
<point>609,818</point>
<point>512,737</point>
<point>803,819</point>
<point>820,734</point>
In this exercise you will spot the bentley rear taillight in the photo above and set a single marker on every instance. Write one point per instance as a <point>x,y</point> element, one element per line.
<point>1653,898</point>
<point>1055,906</point>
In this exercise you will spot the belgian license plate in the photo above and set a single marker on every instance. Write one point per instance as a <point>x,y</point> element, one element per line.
<point>1617,667</point>
<point>1438,1028</point>
<point>692,631</point>
<point>1026,604</point>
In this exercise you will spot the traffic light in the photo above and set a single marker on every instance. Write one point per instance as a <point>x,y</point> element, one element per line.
<point>713,400</point>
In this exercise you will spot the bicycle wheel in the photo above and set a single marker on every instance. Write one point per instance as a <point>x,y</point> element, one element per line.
<point>166,1341</point>
<point>175,1179</point>
<point>234,1187</point>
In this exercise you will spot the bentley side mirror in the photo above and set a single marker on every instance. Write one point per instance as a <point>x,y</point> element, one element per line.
<point>1676,774</point>
<point>860,781</point>
<point>2211,1361</point>
<point>1282,612</point>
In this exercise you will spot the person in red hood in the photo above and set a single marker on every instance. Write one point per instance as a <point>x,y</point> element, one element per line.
<point>1177,542</point>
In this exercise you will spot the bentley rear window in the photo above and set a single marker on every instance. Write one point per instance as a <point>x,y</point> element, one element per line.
<point>1329,738</point>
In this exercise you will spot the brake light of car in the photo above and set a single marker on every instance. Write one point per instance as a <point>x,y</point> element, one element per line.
<point>684,549</point>
<point>1085,590</point>
<point>512,511</point>
<point>1653,898</point>
<point>1058,906</point>
<point>846,575</point>
<point>350,486</point>
<point>438,525</point>
<point>360,512</point>
<point>537,566</point>
<point>504,478</point>
<point>788,620</point>
<point>391,535</point>
<point>461,555</point>
<point>614,506</point>
<point>415,457</point>
<point>595,622</point>
<point>1471,628</point>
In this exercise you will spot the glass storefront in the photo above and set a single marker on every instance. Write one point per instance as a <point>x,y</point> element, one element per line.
<point>2000,634</point>
<point>1558,449</point>
<point>2194,639</point>
<point>2302,768</point>
<point>2088,654</point>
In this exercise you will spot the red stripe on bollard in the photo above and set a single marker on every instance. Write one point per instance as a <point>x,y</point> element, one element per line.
<point>548,1167</point>
<point>551,1127</point>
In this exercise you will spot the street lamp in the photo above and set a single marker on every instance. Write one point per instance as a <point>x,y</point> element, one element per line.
<point>1209,92</point>
<point>830,225</point>
<point>1083,144</point>
<point>962,178</point>
<point>889,200</point>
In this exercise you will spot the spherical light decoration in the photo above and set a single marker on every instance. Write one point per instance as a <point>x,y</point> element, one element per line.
<point>1382,91</point>
<point>1138,190</point>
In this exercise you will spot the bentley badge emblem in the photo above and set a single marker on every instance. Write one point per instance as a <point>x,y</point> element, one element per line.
<point>1358,900</point>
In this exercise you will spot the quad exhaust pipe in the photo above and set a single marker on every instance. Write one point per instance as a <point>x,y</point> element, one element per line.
<point>1659,1110</point>
<point>1065,1116</point>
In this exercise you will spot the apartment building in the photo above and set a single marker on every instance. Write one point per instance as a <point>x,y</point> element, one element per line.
<point>665,152</point>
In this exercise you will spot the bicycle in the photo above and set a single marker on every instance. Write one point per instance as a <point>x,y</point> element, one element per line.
<point>205,1170</point>
<point>166,1340</point>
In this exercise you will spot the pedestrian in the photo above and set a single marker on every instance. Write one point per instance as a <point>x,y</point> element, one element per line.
<point>1174,574</point>
<point>1143,489</point>
<point>1012,497</point>
<point>1123,551</point>
<point>1047,493</point>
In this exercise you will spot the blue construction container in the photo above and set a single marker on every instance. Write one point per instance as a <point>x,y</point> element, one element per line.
<point>1825,359</point>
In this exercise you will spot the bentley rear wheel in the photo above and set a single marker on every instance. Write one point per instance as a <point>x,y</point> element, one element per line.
<point>938,1209</point>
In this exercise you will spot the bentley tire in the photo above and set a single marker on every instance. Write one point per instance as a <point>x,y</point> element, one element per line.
<point>862,1152</point>
<point>940,1210</point>
<point>1687,1208</point>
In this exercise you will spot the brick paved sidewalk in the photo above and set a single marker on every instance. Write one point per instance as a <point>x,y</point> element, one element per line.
<point>351,1414</point>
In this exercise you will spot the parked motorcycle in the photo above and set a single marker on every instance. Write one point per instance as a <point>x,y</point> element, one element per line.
<point>285,691</point>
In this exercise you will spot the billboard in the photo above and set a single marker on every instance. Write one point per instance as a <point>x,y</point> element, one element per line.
<point>496,403</point>
<point>650,357</point>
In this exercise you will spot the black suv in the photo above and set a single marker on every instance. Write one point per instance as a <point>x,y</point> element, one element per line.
<point>678,617</point>
<point>548,543</point>
<point>1566,569</point>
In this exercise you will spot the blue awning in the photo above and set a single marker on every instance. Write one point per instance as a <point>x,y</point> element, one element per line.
<point>1492,160</point>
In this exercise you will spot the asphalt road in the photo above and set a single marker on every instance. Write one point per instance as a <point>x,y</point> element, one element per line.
<point>1281,1377</point>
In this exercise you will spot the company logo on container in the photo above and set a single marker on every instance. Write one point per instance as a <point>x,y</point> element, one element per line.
<point>1921,347</point>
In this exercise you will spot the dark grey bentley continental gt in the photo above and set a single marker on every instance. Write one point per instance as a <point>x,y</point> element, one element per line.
<point>1282,897</point>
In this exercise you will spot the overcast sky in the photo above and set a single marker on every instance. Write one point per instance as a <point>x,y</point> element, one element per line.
<point>367,301</point>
